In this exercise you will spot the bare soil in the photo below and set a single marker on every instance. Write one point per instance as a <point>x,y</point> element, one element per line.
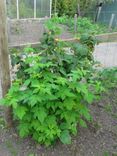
<point>99,139</point>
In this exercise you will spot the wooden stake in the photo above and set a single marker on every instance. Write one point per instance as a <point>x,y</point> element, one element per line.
<point>17,4</point>
<point>79,13</point>
<point>98,14</point>
<point>75,23</point>
<point>111,21</point>
<point>4,58</point>
<point>35,8</point>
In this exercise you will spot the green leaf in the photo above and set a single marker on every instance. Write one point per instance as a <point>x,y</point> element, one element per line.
<point>64,126</point>
<point>51,120</point>
<point>89,97</point>
<point>34,99</point>
<point>40,113</point>
<point>13,102</point>
<point>83,123</point>
<point>20,111</point>
<point>82,88</point>
<point>27,82</point>
<point>24,129</point>
<point>65,137</point>
<point>61,81</point>
<point>69,103</point>
<point>65,92</point>
<point>84,111</point>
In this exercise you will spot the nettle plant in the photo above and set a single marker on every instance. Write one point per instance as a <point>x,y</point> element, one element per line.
<point>50,96</point>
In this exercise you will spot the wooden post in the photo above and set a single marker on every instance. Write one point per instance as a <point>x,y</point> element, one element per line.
<point>111,21</point>
<point>79,13</point>
<point>35,8</point>
<point>98,14</point>
<point>17,4</point>
<point>4,58</point>
<point>50,8</point>
<point>55,5</point>
<point>75,23</point>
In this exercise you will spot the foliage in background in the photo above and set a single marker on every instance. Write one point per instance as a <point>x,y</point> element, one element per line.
<point>25,8</point>
<point>70,7</point>
<point>108,77</point>
<point>83,25</point>
<point>65,7</point>
<point>50,96</point>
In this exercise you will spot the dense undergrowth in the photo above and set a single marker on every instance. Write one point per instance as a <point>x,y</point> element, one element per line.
<point>53,87</point>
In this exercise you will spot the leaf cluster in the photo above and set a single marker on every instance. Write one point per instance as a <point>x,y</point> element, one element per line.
<point>50,96</point>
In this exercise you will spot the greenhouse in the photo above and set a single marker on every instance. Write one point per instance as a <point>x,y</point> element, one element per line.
<point>28,8</point>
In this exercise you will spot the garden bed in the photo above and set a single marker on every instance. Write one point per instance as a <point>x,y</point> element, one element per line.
<point>100,139</point>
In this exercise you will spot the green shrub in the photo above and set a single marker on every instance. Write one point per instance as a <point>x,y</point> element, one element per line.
<point>50,96</point>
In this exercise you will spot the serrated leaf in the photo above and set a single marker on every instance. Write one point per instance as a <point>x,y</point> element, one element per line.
<point>69,104</point>
<point>82,88</point>
<point>65,137</point>
<point>61,81</point>
<point>84,111</point>
<point>34,99</point>
<point>27,82</point>
<point>40,113</point>
<point>89,97</point>
<point>20,111</point>
<point>13,102</point>
<point>24,129</point>
<point>64,126</point>
<point>65,92</point>
<point>83,123</point>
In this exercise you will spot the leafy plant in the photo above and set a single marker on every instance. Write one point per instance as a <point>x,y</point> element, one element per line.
<point>108,77</point>
<point>84,25</point>
<point>50,96</point>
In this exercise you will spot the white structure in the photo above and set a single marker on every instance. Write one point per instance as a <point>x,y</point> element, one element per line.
<point>22,9</point>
